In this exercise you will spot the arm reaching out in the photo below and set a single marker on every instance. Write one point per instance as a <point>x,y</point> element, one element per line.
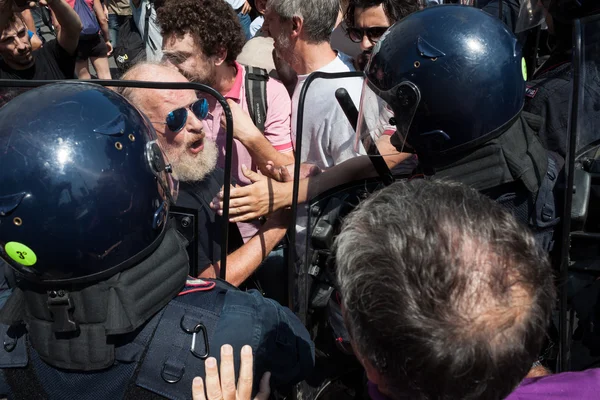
<point>266,195</point>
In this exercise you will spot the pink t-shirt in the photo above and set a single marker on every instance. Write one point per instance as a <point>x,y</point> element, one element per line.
<point>277,131</point>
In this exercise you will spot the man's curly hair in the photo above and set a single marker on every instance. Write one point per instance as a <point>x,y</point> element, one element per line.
<point>212,24</point>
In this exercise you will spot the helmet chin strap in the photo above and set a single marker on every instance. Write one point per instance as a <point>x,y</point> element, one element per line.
<point>75,327</point>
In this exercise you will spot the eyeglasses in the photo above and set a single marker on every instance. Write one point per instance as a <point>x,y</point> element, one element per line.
<point>373,33</point>
<point>177,118</point>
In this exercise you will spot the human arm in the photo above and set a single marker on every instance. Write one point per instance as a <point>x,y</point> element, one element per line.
<point>103,21</point>
<point>28,19</point>
<point>242,263</point>
<point>69,25</point>
<point>266,195</point>
<point>260,149</point>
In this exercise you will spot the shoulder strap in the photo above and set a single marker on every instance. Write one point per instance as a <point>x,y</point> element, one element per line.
<point>256,95</point>
<point>147,37</point>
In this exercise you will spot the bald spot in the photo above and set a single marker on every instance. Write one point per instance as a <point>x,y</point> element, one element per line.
<point>491,302</point>
<point>149,100</point>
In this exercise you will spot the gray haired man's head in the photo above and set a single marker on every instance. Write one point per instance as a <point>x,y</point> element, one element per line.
<point>318,16</point>
<point>444,293</point>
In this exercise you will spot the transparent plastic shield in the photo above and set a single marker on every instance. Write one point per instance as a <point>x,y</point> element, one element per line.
<point>531,14</point>
<point>385,118</point>
<point>324,118</point>
<point>188,153</point>
<point>588,118</point>
<point>580,218</point>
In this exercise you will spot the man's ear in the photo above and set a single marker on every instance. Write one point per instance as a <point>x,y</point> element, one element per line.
<point>372,373</point>
<point>220,57</point>
<point>297,25</point>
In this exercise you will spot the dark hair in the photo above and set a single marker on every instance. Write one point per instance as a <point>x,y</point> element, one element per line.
<point>445,293</point>
<point>394,9</point>
<point>12,20</point>
<point>212,24</point>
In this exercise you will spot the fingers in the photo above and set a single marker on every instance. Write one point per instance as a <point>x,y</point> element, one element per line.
<point>246,8</point>
<point>227,373</point>
<point>213,385</point>
<point>245,379</point>
<point>265,389</point>
<point>253,176</point>
<point>198,389</point>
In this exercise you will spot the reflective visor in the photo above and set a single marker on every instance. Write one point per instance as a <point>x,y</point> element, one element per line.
<point>385,118</point>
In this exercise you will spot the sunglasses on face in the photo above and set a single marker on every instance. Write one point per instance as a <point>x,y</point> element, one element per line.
<point>373,33</point>
<point>177,118</point>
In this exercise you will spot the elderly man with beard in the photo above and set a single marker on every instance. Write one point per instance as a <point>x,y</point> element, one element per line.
<point>202,39</point>
<point>178,118</point>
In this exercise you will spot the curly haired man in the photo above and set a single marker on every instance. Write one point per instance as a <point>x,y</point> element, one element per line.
<point>202,39</point>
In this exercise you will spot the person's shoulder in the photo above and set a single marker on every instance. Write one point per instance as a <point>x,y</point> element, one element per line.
<point>275,90</point>
<point>567,385</point>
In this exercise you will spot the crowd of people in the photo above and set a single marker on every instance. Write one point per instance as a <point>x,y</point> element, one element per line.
<point>444,285</point>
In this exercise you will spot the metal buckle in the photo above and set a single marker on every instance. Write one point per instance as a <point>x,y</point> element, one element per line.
<point>197,329</point>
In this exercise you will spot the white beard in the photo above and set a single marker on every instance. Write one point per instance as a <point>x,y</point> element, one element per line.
<point>189,167</point>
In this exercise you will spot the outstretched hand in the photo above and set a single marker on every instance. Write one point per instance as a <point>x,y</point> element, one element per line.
<point>223,387</point>
<point>285,173</point>
<point>262,197</point>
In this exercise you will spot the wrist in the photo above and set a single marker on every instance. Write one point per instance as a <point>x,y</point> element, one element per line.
<point>287,190</point>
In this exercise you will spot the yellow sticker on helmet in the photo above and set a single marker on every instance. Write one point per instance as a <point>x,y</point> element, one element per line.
<point>524,68</point>
<point>20,253</point>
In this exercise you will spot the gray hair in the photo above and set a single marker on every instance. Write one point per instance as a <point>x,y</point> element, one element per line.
<point>443,291</point>
<point>319,16</point>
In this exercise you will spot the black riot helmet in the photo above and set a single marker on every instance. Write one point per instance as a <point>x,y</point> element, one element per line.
<point>442,80</point>
<point>84,187</point>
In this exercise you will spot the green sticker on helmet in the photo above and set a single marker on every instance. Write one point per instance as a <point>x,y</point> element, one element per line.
<point>524,68</point>
<point>20,253</point>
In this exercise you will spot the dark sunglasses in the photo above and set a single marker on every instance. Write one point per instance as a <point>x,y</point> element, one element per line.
<point>373,33</point>
<point>177,118</point>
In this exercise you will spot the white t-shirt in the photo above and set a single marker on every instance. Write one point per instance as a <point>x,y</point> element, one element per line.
<point>154,45</point>
<point>327,136</point>
<point>256,25</point>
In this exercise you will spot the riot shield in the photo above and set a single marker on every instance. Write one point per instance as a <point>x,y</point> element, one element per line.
<point>199,151</point>
<point>341,161</point>
<point>579,267</point>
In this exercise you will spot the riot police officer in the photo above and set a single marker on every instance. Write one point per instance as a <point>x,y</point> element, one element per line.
<point>456,101</point>
<point>549,91</point>
<point>103,306</point>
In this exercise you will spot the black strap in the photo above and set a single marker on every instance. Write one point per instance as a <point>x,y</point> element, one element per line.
<point>256,95</point>
<point>146,37</point>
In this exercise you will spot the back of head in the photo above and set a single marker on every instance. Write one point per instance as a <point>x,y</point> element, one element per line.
<point>84,188</point>
<point>319,16</point>
<point>452,75</point>
<point>445,294</point>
